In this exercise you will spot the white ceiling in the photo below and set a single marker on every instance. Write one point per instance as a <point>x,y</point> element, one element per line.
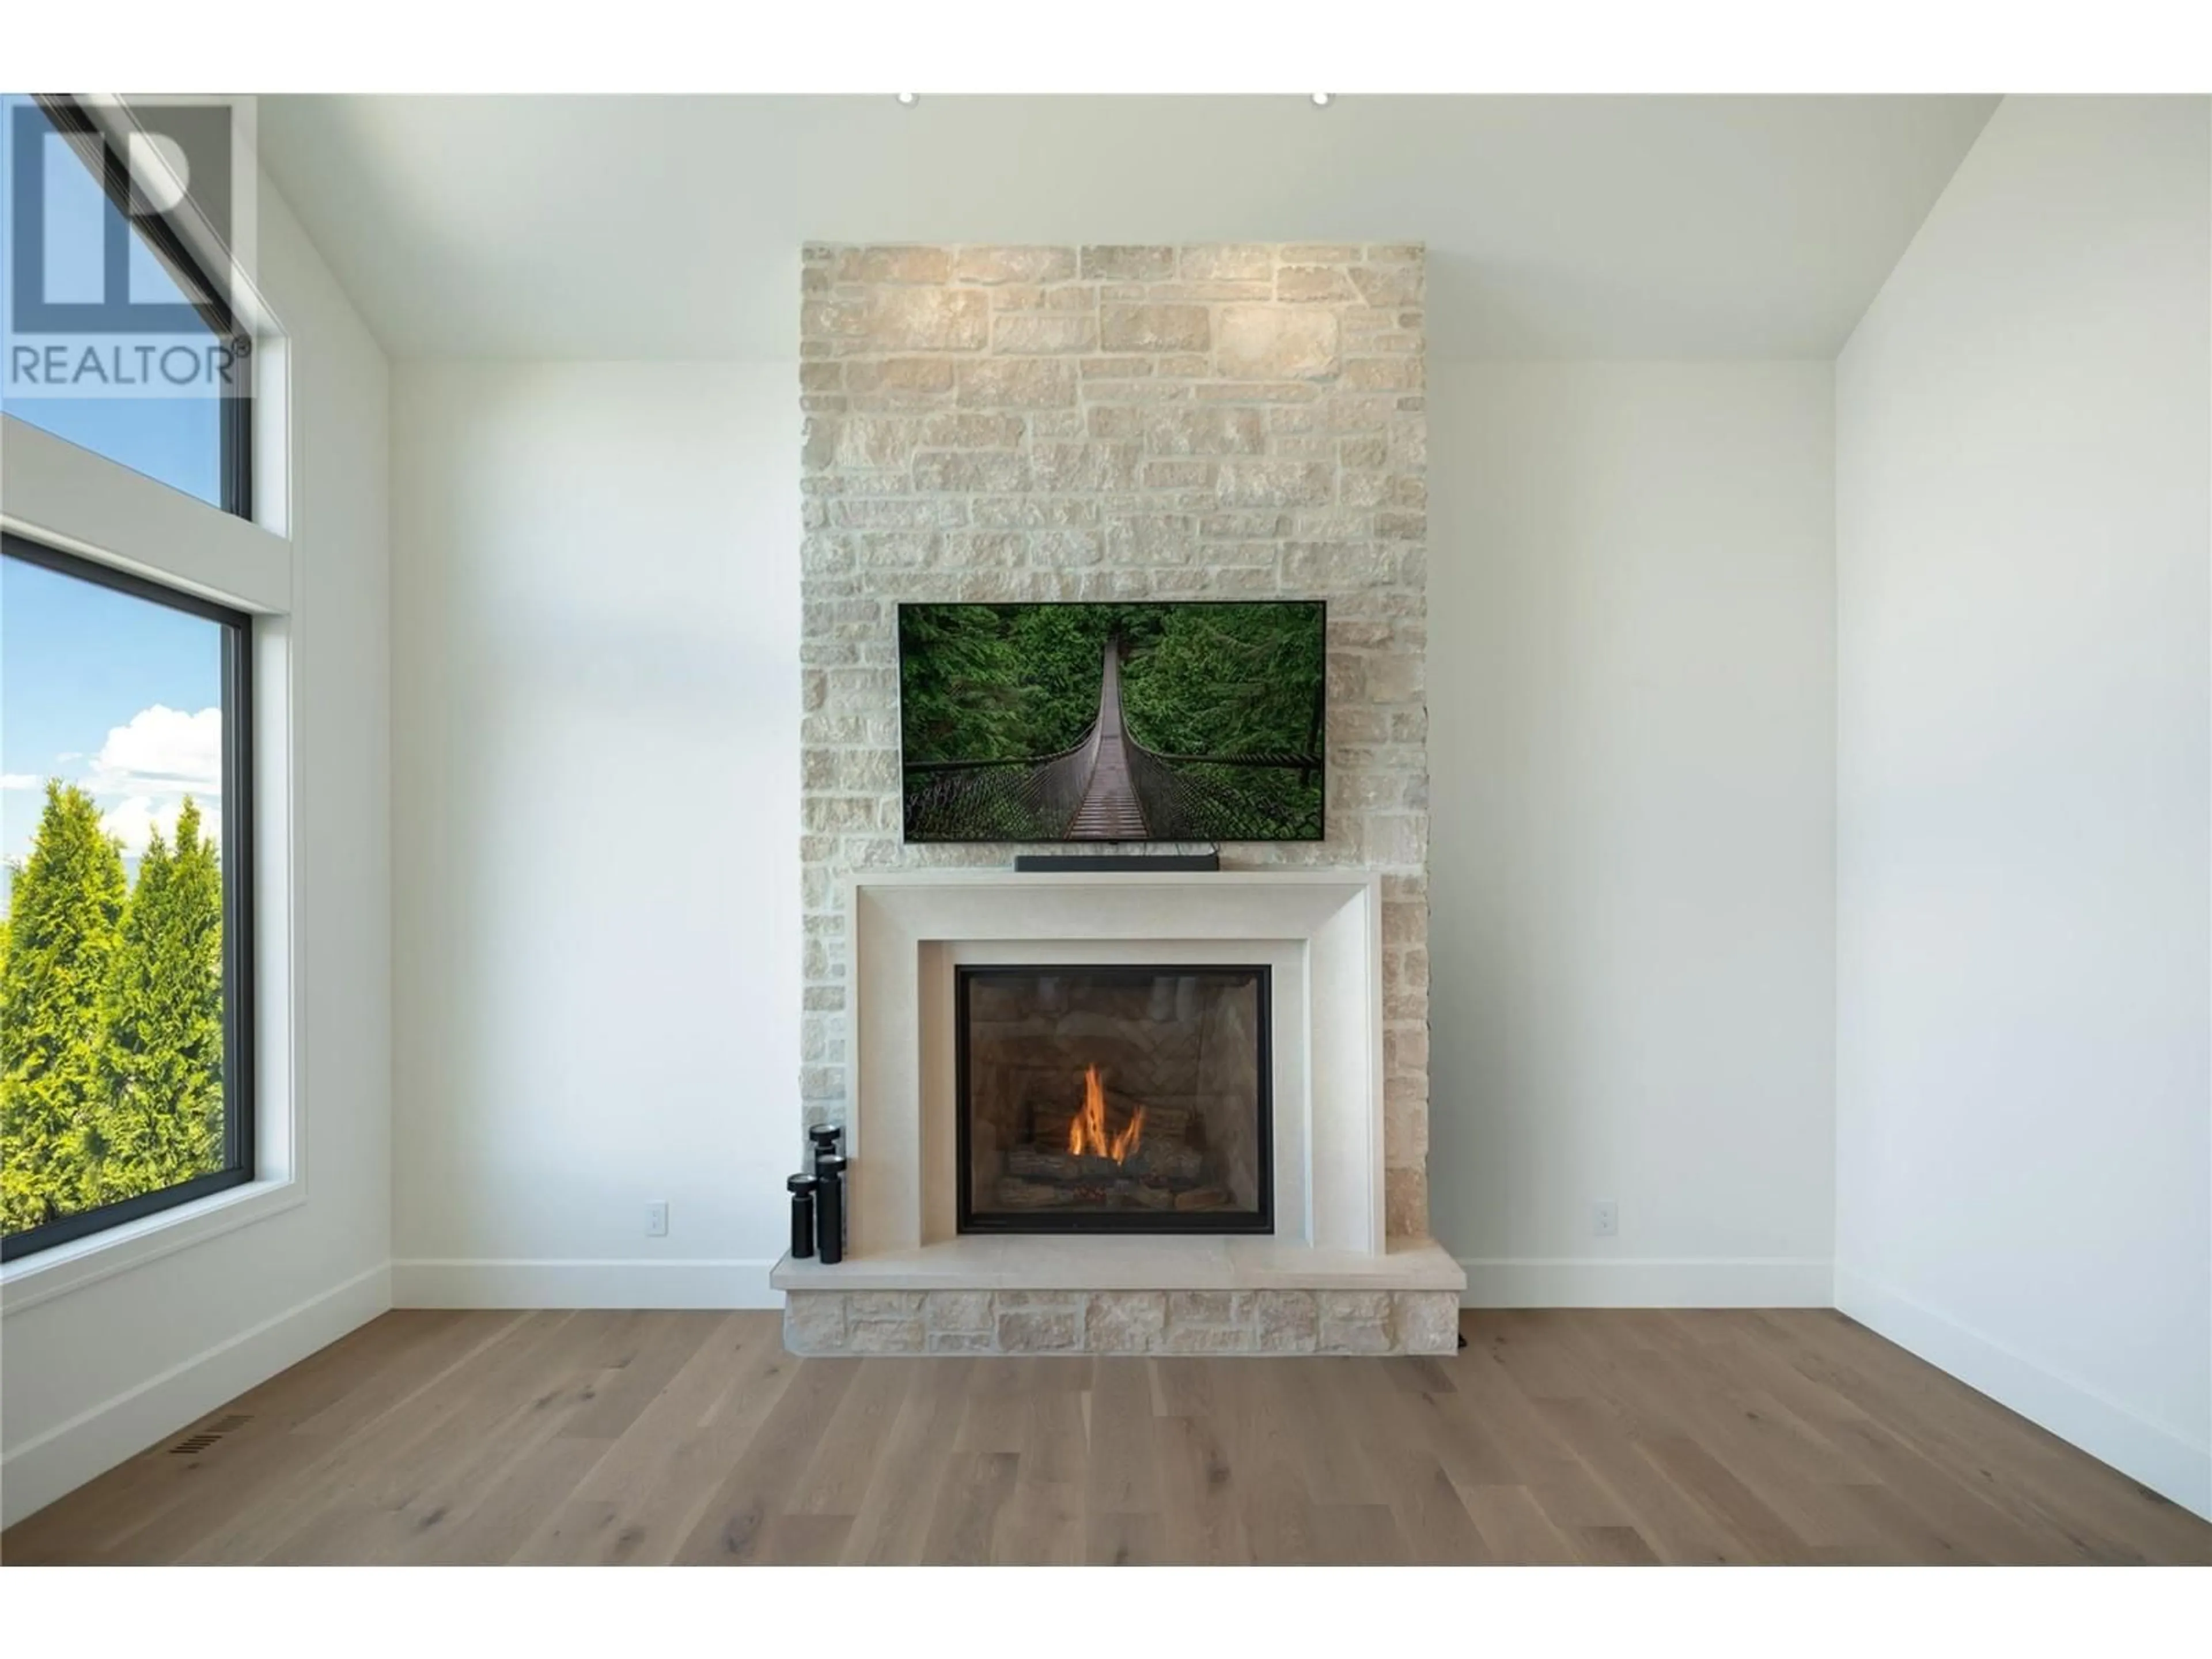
<point>669,227</point>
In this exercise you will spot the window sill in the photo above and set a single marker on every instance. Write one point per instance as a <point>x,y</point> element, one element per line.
<point>83,1261</point>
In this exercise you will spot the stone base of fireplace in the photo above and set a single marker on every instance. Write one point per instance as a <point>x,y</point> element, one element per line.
<point>1114,1295</point>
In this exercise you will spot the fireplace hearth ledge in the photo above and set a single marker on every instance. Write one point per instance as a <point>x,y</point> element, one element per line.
<point>1092,1295</point>
<point>1031,1261</point>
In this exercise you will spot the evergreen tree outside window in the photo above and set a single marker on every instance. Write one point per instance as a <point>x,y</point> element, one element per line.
<point>125,922</point>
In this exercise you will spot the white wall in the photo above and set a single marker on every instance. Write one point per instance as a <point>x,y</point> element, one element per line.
<point>92,1375</point>
<point>1631,740</point>
<point>596,820</point>
<point>2024,1147</point>
<point>594,599</point>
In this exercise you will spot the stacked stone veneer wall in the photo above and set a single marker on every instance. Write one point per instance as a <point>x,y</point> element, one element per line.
<point>1226,421</point>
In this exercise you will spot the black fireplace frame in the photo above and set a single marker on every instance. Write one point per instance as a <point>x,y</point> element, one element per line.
<point>1260,1220</point>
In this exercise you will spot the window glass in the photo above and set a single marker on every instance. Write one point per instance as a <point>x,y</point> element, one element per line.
<point>114,1087</point>
<point>175,435</point>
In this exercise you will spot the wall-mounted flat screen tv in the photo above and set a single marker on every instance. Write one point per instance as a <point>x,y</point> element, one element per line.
<point>1199,722</point>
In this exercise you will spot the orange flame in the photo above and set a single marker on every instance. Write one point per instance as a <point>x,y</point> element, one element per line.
<point>1087,1131</point>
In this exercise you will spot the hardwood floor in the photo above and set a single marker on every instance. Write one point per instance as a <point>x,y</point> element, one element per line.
<point>1622,1437</point>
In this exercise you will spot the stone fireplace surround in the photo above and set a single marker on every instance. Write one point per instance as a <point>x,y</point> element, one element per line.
<point>1245,421</point>
<point>1327,1281</point>
<point>1214,420</point>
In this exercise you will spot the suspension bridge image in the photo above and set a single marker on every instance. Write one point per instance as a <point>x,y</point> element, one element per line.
<point>1108,786</point>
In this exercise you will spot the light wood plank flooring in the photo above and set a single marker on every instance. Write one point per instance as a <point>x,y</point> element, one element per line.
<point>1556,1436</point>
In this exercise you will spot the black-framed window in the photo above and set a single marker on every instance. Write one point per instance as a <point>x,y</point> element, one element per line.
<point>126,949</point>
<point>74,225</point>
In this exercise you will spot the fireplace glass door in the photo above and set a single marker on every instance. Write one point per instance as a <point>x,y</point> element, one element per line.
<point>1114,1099</point>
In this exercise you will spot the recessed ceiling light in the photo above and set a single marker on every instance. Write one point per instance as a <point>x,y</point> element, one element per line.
<point>1321,99</point>
<point>909,97</point>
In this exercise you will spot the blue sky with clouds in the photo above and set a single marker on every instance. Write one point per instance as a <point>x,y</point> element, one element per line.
<point>109,691</point>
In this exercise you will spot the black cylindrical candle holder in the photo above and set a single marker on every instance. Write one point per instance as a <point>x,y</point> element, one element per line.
<point>829,1209</point>
<point>826,1139</point>
<point>802,1215</point>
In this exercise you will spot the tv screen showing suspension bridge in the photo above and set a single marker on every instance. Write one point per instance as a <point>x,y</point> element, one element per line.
<point>1201,722</point>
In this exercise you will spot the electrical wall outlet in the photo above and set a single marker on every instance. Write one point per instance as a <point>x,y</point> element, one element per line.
<point>1605,1218</point>
<point>656,1219</point>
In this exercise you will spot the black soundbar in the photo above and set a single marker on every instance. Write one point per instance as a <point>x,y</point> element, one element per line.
<point>1120,863</point>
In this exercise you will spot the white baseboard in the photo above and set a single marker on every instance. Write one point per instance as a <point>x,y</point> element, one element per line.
<point>2103,1428</point>
<point>96,1439</point>
<point>1665,1282</point>
<point>511,1283</point>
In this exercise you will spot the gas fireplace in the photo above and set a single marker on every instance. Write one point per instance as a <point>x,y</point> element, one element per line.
<point>1114,1099</point>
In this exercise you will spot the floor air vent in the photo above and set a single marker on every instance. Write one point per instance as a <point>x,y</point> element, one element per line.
<point>200,1441</point>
